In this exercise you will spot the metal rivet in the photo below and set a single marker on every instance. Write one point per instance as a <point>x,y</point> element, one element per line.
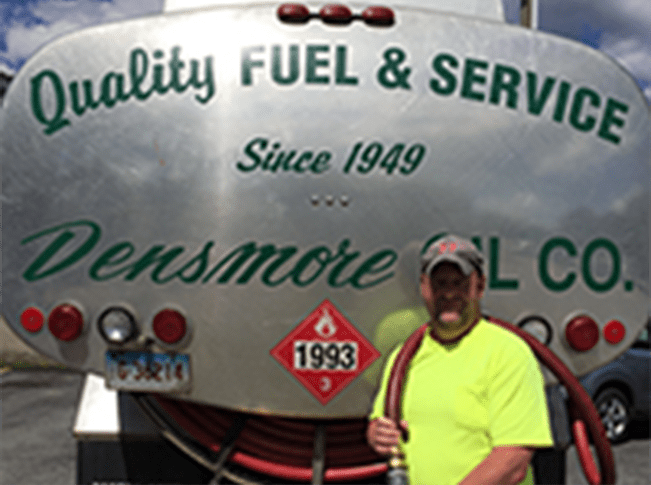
<point>344,200</point>
<point>314,200</point>
<point>329,200</point>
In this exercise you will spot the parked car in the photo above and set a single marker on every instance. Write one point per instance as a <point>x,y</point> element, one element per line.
<point>620,389</point>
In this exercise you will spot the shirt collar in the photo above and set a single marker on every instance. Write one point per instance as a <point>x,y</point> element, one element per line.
<point>455,340</point>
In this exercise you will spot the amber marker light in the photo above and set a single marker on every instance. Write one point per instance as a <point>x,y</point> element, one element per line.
<point>66,322</point>
<point>582,333</point>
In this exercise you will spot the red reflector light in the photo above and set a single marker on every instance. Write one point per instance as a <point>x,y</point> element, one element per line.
<point>378,16</point>
<point>32,319</point>
<point>65,322</point>
<point>614,332</point>
<point>169,326</point>
<point>336,14</point>
<point>295,13</point>
<point>582,333</point>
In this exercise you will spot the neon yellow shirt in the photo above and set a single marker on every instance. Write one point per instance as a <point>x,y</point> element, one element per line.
<point>464,399</point>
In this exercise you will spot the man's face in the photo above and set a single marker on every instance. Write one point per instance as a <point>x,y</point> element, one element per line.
<point>451,297</point>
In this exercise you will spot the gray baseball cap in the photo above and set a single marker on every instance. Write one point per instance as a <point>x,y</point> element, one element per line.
<point>453,249</point>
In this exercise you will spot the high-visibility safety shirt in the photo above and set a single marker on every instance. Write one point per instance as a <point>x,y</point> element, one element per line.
<point>463,399</point>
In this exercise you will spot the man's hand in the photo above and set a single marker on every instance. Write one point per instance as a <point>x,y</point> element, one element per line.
<point>382,435</point>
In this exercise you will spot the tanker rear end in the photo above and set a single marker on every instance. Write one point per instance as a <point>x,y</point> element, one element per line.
<point>218,215</point>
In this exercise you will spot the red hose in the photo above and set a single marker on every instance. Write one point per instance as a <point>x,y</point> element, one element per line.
<point>582,443</point>
<point>583,404</point>
<point>283,447</point>
<point>578,398</point>
<point>393,398</point>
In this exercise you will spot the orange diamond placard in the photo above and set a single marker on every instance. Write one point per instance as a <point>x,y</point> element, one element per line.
<point>325,352</point>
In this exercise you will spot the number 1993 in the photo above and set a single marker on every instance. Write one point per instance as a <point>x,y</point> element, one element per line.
<point>318,355</point>
<point>399,158</point>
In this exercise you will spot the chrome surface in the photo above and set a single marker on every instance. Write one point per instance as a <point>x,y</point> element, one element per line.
<point>490,9</point>
<point>94,210</point>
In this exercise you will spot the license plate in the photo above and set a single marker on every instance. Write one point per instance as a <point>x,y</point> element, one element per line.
<point>147,372</point>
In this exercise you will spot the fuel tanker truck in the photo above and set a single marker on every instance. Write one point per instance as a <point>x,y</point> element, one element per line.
<point>216,213</point>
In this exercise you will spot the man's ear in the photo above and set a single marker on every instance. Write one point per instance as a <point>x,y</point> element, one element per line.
<point>424,283</point>
<point>481,284</point>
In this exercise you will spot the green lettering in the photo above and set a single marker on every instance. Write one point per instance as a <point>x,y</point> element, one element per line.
<point>561,101</point>
<point>138,67</point>
<point>283,161</point>
<point>176,65</point>
<point>200,261</point>
<point>57,120</point>
<point>75,101</point>
<point>536,103</point>
<point>32,272</point>
<point>615,272</point>
<point>494,280</point>
<point>374,265</point>
<point>577,107</point>
<point>248,64</point>
<point>505,79</point>
<point>158,69</point>
<point>321,162</point>
<point>610,119</point>
<point>313,63</point>
<point>471,77</point>
<point>340,68</point>
<point>250,151</point>
<point>285,255</point>
<point>153,257</point>
<point>543,264</point>
<point>346,259</point>
<point>244,253</point>
<point>449,83</point>
<point>208,80</point>
<point>109,99</point>
<point>321,256</point>
<point>276,65</point>
<point>112,257</point>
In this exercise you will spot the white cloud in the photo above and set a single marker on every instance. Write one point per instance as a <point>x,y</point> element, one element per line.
<point>23,42</point>
<point>62,17</point>
<point>620,28</point>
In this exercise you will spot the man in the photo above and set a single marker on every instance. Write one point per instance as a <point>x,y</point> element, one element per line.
<point>473,399</point>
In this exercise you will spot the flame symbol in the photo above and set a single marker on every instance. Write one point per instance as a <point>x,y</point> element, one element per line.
<point>326,326</point>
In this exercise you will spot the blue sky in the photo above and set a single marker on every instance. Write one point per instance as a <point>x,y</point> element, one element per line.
<point>620,28</point>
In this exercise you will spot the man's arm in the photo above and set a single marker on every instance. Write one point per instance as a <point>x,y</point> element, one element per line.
<point>505,465</point>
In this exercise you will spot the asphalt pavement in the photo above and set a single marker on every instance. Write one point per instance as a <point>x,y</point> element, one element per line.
<point>38,408</point>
